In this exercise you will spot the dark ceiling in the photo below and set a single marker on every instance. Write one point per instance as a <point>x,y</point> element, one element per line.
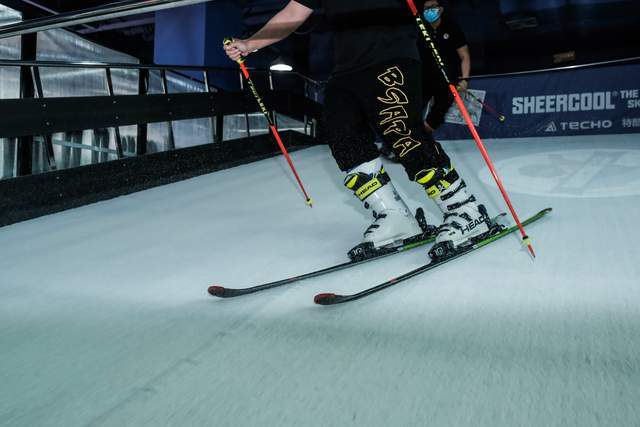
<point>504,35</point>
<point>513,35</point>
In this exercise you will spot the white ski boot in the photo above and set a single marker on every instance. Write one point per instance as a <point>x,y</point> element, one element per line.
<point>393,223</point>
<point>465,222</point>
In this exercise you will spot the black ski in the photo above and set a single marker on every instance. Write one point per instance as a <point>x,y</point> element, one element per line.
<point>331,299</point>
<point>222,292</point>
<point>358,255</point>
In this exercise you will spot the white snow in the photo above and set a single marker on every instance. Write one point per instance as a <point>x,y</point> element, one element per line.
<point>105,319</point>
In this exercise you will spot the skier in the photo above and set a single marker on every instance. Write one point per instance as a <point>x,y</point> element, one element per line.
<point>376,83</point>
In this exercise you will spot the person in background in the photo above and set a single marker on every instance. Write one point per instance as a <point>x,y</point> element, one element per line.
<point>453,48</point>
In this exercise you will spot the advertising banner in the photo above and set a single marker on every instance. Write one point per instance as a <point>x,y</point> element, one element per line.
<point>601,100</point>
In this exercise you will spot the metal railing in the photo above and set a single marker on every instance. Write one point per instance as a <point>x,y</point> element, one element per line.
<point>131,66</point>
<point>195,105</point>
<point>557,69</point>
<point>198,74</point>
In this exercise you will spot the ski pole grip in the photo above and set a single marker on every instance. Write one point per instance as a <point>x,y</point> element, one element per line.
<point>226,42</point>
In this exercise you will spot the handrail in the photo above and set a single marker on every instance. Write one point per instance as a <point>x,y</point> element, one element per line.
<point>169,67</point>
<point>114,65</point>
<point>551,70</point>
<point>134,66</point>
<point>99,13</point>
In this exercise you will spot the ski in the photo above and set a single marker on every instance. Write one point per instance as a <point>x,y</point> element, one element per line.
<point>362,253</point>
<point>222,292</point>
<point>332,299</point>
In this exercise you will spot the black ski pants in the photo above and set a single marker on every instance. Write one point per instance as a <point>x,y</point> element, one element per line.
<point>384,99</point>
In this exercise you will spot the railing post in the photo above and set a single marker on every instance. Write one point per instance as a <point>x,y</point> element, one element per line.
<point>48,138</point>
<point>219,128</point>
<point>246,115</point>
<point>271,87</point>
<point>212,119</point>
<point>117,128</point>
<point>24,158</point>
<point>165,89</point>
<point>143,89</point>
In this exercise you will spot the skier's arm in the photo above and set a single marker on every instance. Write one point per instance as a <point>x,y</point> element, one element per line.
<point>277,28</point>
<point>465,65</point>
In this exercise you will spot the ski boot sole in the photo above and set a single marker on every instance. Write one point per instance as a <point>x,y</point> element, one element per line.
<point>369,250</point>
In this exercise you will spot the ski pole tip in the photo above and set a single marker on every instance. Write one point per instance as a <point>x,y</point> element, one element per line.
<point>527,242</point>
<point>309,202</point>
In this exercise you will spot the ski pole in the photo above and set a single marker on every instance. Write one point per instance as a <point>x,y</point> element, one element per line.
<point>436,55</point>
<point>487,107</point>
<point>274,130</point>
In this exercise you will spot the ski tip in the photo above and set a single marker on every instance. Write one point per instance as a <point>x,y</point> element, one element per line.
<point>216,291</point>
<point>324,299</point>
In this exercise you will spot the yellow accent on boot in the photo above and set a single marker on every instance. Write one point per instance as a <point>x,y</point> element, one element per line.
<point>428,176</point>
<point>432,185</point>
<point>368,188</point>
<point>435,190</point>
<point>350,183</point>
<point>363,185</point>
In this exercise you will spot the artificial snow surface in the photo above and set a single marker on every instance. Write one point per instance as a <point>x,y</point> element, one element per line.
<point>105,319</point>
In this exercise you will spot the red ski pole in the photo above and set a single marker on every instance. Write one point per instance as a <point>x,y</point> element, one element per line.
<point>436,55</point>
<point>272,125</point>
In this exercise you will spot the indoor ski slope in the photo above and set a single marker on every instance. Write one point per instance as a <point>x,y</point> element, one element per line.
<point>105,319</point>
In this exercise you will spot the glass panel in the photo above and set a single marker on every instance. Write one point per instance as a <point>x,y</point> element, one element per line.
<point>188,133</point>
<point>73,149</point>
<point>61,45</point>
<point>157,133</point>
<point>287,123</point>
<point>39,159</point>
<point>7,158</point>
<point>183,84</point>
<point>9,88</point>
<point>235,126</point>
<point>9,49</point>
<point>125,82</point>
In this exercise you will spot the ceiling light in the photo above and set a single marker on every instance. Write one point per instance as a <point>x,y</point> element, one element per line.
<point>281,63</point>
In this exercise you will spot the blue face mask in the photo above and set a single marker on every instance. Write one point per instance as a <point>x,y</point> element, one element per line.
<point>432,14</point>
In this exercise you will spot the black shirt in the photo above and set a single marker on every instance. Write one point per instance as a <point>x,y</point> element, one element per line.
<point>448,39</point>
<point>368,32</point>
